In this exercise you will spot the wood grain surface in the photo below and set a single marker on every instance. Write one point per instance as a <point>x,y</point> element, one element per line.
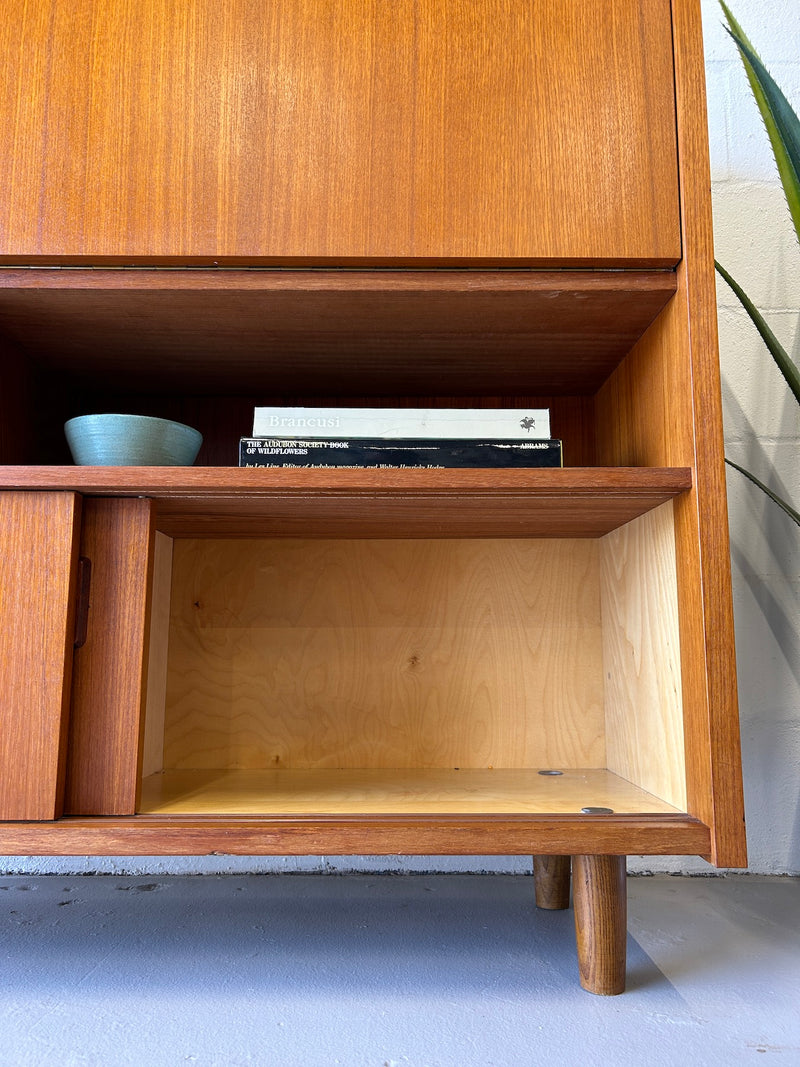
<point>295,835</point>
<point>251,502</point>
<point>294,653</point>
<point>382,791</point>
<point>552,881</point>
<point>641,655</point>
<point>312,130</point>
<point>712,730</point>
<point>600,896</point>
<point>663,405</point>
<point>157,656</point>
<point>330,332</point>
<point>38,561</point>
<point>103,766</point>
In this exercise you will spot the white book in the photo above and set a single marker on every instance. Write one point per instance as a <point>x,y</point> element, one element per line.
<point>508,424</point>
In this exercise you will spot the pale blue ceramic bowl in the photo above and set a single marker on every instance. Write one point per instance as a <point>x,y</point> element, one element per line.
<point>131,441</point>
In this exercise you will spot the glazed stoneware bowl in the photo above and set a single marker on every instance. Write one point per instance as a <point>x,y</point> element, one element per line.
<point>131,441</point>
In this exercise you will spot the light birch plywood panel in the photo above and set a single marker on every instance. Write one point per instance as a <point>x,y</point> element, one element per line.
<point>363,653</point>
<point>641,650</point>
<point>388,792</point>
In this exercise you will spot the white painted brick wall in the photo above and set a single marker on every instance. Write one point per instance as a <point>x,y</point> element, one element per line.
<point>756,242</point>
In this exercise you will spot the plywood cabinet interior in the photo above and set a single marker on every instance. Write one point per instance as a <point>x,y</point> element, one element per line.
<point>318,131</point>
<point>461,665</point>
<point>378,661</point>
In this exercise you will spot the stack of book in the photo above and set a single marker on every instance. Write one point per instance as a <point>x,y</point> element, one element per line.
<point>400,437</point>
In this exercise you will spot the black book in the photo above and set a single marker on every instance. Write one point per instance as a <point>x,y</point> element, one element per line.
<point>375,452</point>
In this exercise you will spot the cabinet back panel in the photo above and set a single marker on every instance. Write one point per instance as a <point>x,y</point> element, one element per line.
<point>17,414</point>
<point>443,653</point>
<point>36,406</point>
<point>224,419</point>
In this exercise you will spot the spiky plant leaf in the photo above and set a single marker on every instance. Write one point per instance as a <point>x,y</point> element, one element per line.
<point>781,121</point>
<point>787,367</point>
<point>790,511</point>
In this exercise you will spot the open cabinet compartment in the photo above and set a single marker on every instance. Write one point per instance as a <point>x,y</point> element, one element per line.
<point>204,347</point>
<point>390,676</point>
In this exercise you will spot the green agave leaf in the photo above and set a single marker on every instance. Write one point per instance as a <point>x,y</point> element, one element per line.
<point>779,353</point>
<point>793,515</point>
<point>781,121</point>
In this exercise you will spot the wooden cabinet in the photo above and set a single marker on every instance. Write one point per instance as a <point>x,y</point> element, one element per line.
<point>313,131</point>
<point>386,661</point>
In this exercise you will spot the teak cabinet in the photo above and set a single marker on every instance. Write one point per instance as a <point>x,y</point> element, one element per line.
<point>222,660</point>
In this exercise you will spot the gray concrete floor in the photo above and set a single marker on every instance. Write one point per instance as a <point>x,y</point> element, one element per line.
<point>388,971</point>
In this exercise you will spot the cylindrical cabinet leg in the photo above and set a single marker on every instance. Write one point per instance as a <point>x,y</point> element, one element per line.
<point>551,878</point>
<point>600,901</point>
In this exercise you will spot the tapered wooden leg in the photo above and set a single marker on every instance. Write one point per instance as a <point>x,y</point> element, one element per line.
<point>600,897</point>
<point>551,881</point>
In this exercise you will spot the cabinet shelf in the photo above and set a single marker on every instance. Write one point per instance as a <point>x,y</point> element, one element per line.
<point>371,791</point>
<point>341,502</point>
<point>390,332</point>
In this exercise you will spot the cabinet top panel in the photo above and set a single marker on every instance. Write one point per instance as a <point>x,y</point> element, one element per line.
<point>316,131</point>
